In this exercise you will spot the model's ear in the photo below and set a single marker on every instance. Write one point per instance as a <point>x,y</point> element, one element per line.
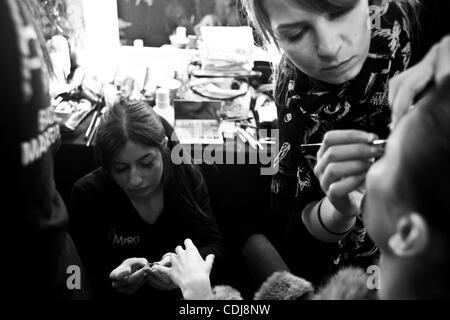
<point>411,236</point>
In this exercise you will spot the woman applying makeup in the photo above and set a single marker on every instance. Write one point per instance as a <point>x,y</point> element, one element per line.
<point>337,59</point>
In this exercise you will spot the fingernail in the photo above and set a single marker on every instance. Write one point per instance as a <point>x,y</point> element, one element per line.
<point>373,137</point>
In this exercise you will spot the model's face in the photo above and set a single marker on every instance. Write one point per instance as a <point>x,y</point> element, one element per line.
<point>329,48</point>
<point>138,169</point>
<point>382,207</point>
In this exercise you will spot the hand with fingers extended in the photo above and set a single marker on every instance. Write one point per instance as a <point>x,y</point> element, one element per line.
<point>189,271</point>
<point>160,280</point>
<point>130,275</point>
<point>404,88</point>
<point>342,163</point>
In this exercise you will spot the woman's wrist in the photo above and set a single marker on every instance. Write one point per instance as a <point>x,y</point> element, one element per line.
<point>334,222</point>
<point>198,289</point>
<point>325,223</point>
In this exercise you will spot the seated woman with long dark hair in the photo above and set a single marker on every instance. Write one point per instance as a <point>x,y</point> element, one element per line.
<point>139,204</point>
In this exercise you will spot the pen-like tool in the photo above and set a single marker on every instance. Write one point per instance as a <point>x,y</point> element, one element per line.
<point>92,123</point>
<point>379,142</point>
<point>93,132</point>
<point>97,123</point>
<point>146,82</point>
<point>241,137</point>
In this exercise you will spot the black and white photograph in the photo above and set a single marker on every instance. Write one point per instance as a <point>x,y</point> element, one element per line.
<point>178,152</point>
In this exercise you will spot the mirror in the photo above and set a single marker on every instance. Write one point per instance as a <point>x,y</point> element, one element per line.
<point>108,50</point>
<point>152,22</point>
<point>111,23</point>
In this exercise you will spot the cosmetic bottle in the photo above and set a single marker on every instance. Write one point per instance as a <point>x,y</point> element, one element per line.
<point>163,107</point>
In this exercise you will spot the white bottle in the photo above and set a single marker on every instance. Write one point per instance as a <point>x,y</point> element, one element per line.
<point>163,107</point>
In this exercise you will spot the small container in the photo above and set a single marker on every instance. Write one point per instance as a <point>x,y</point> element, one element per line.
<point>171,84</point>
<point>139,43</point>
<point>179,39</point>
<point>163,107</point>
<point>181,32</point>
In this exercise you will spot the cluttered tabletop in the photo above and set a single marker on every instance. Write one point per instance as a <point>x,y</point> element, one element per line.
<point>220,100</point>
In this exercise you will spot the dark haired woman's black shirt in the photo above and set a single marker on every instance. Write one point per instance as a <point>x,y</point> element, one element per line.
<point>107,230</point>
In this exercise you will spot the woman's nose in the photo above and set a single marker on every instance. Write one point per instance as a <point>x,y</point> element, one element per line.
<point>328,41</point>
<point>135,178</point>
